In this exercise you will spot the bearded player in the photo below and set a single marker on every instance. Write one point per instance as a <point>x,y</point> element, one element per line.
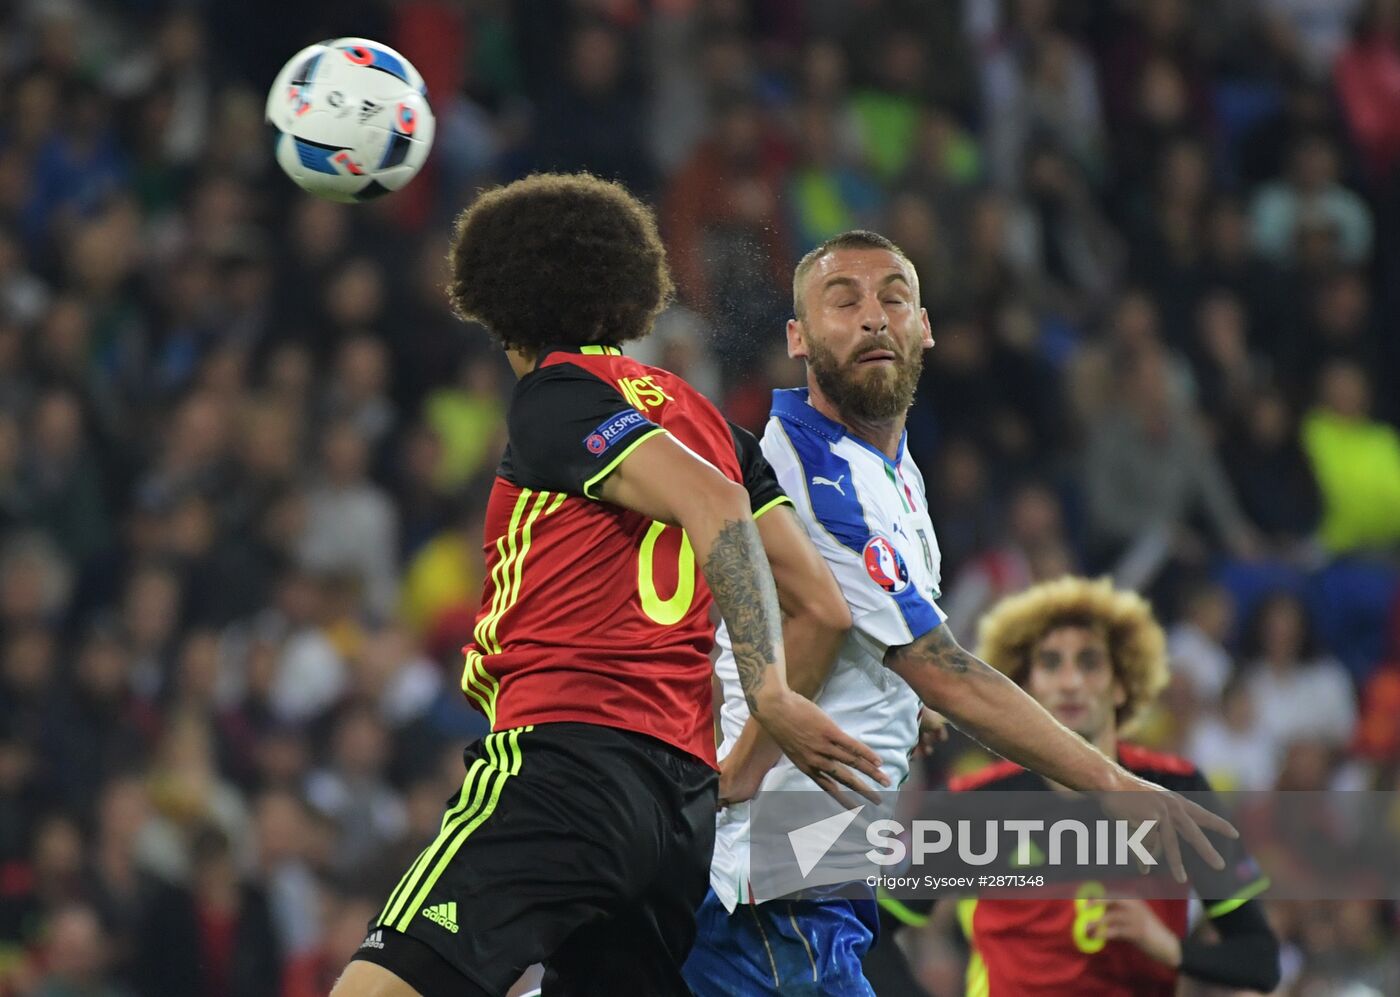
<point>581,837</point>
<point>1096,658</point>
<point>838,448</point>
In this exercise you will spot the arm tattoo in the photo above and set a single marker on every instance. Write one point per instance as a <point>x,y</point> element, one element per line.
<point>938,649</point>
<point>736,571</point>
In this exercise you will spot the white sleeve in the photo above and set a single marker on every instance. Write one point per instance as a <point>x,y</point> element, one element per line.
<point>870,566</point>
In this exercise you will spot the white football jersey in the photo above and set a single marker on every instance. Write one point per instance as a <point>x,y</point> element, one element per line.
<point>868,516</point>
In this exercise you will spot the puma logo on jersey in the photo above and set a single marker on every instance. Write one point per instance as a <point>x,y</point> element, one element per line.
<point>817,479</point>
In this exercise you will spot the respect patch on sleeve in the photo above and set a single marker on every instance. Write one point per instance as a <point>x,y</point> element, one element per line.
<point>601,440</point>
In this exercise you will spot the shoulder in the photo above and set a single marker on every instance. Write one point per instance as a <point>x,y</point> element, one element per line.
<point>555,371</point>
<point>1160,766</point>
<point>811,466</point>
<point>811,449</point>
<point>995,776</point>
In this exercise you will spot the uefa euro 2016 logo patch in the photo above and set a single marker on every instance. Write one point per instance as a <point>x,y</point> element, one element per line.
<point>885,565</point>
<point>616,427</point>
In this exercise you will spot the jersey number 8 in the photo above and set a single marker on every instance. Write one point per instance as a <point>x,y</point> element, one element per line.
<point>1089,909</point>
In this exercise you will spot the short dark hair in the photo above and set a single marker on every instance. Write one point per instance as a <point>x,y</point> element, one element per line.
<point>1252,646</point>
<point>857,238</point>
<point>559,258</point>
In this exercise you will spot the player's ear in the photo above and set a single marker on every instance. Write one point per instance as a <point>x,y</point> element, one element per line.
<point>928,328</point>
<point>1120,694</point>
<point>796,339</point>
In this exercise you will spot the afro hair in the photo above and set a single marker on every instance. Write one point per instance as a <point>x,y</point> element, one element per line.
<point>559,258</point>
<point>1136,645</point>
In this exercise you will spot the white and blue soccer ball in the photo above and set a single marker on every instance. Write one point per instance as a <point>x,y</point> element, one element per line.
<point>351,118</point>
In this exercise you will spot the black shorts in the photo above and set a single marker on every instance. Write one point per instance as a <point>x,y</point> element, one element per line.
<point>581,847</point>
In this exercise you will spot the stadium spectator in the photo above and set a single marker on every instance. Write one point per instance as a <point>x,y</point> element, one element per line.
<point>349,521</point>
<point>1040,85</point>
<point>1356,461</point>
<point>826,194</point>
<point>1310,35</point>
<point>1226,368</point>
<point>76,957</point>
<point>722,216</point>
<point>1339,327</point>
<point>1311,200</point>
<point>1033,549</point>
<point>1148,469</point>
<point>592,120</point>
<point>1296,691</point>
<point>352,792</point>
<point>358,391</point>
<point>181,330</point>
<point>1368,86</point>
<point>313,973</point>
<point>468,419</point>
<point>1196,643</point>
<point>1071,241</point>
<point>102,729</point>
<point>213,936</point>
<point>1270,474</point>
<point>1229,747</point>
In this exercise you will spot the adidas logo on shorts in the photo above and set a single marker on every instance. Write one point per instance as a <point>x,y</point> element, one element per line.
<point>443,914</point>
<point>374,941</point>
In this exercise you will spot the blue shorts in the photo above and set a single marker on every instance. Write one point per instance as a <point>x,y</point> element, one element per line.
<point>784,948</point>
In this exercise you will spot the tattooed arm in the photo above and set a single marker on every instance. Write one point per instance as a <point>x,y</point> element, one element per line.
<point>664,481</point>
<point>988,706</point>
<point>816,620</point>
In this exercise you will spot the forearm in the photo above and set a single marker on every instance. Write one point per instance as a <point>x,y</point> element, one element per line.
<point>1249,963</point>
<point>810,647</point>
<point>730,552</point>
<point>988,706</point>
<point>1246,956</point>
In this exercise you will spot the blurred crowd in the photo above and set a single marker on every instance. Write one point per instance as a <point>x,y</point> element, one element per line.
<point>244,445</point>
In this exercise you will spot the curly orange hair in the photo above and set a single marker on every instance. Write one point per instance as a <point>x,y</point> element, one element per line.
<point>1137,647</point>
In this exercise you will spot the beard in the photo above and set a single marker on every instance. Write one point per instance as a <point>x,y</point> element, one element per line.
<point>874,395</point>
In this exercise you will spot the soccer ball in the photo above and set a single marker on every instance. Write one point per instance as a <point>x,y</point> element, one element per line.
<point>351,118</point>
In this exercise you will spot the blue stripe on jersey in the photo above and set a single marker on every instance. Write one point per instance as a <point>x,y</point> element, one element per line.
<point>840,511</point>
<point>792,405</point>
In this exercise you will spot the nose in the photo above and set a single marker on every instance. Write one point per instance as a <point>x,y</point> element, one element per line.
<point>1071,678</point>
<point>873,319</point>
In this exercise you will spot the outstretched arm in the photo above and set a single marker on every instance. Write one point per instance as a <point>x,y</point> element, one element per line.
<point>987,705</point>
<point>990,707</point>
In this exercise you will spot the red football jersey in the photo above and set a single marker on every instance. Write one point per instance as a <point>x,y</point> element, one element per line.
<point>593,613</point>
<point>1046,947</point>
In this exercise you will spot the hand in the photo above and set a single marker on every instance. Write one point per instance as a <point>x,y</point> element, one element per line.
<point>1134,921</point>
<point>820,749</point>
<point>739,779</point>
<point>1175,817</point>
<point>933,731</point>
